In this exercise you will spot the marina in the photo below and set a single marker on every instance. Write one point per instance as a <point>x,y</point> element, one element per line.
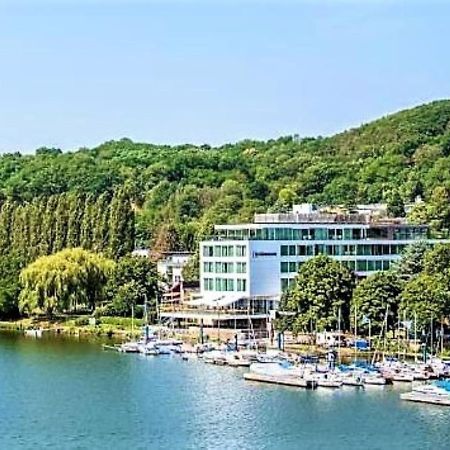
<point>86,397</point>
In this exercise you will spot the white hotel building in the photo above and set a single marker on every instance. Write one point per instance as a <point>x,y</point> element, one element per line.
<point>251,264</point>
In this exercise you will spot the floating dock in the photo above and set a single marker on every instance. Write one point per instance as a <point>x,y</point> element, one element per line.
<point>285,381</point>
<point>426,398</point>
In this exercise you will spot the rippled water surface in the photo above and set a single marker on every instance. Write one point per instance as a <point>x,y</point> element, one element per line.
<point>64,394</point>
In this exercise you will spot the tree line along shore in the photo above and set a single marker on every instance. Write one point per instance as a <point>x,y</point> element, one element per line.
<point>69,220</point>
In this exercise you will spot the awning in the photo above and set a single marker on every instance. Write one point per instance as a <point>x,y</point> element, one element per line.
<point>215,303</point>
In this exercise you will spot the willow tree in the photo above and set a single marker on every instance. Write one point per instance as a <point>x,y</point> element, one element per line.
<point>64,280</point>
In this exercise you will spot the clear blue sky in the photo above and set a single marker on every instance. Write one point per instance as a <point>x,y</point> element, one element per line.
<point>77,73</point>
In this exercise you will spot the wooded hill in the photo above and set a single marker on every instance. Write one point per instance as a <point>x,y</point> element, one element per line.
<point>178,192</point>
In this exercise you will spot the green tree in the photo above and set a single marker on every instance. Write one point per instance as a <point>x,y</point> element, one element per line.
<point>134,281</point>
<point>395,205</point>
<point>375,296</point>
<point>64,280</point>
<point>121,225</point>
<point>412,261</point>
<point>321,287</point>
<point>10,267</point>
<point>426,297</point>
<point>437,261</point>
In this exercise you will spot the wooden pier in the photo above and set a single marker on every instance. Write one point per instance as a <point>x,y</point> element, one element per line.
<point>425,398</point>
<point>285,381</point>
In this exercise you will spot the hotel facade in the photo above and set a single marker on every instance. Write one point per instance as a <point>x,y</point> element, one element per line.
<point>261,259</point>
<point>245,268</point>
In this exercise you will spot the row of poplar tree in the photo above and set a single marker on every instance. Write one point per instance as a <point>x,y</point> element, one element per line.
<point>47,225</point>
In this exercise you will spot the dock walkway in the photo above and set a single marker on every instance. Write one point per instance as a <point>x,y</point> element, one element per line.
<point>285,381</point>
<point>424,398</point>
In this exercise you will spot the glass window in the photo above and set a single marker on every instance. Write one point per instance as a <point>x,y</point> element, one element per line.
<point>241,250</point>
<point>319,249</point>
<point>361,265</point>
<point>331,234</point>
<point>292,266</point>
<point>348,233</point>
<point>284,267</point>
<point>241,285</point>
<point>351,265</point>
<point>301,250</point>
<point>378,265</point>
<point>370,266</point>
<point>292,250</point>
<point>284,284</point>
<point>284,250</point>
<point>386,265</point>
<point>208,250</point>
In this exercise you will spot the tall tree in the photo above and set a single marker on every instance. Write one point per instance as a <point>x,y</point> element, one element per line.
<point>322,287</point>
<point>375,296</point>
<point>121,224</point>
<point>61,223</point>
<point>76,204</point>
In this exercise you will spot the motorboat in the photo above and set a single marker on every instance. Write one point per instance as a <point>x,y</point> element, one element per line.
<point>129,347</point>
<point>353,379</point>
<point>374,379</point>
<point>329,380</point>
<point>235,359</point>
<point>36,333</point>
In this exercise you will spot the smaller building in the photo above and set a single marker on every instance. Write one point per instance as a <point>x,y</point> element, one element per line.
<point>170,267</point>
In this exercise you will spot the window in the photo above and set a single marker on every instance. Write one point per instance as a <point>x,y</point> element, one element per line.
<point>292,250</point>
<point>348,233</point>
<point>241,250</point>
<point>284,284</point>
<point>217,250</point>
<point>284,250</point>
<point>293,267</point>
<point>361,265</point>
<point>386,265</point>
<point>284,267</point>
<point>208,250</point>
<point>208,284</point>
<point>241,267</point>
<point>208,267</point>
<point>301,250</point>
<point>241,284</point>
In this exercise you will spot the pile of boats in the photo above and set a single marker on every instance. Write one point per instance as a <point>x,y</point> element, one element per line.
<point>356,374</point>
<point>151,346</point>
<point>277,367</point>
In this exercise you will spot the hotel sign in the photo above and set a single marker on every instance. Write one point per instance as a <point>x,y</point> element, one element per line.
<point>259,254</point>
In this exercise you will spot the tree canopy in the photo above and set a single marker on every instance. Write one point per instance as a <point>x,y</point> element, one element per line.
<point>63,281</point>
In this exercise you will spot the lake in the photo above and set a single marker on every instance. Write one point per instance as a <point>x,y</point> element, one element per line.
<point>67,394</point>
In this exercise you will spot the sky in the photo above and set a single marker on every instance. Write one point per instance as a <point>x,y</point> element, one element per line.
<point>77,73</point>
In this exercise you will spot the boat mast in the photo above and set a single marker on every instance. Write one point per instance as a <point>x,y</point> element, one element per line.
<point>339,334</point>
<point>356,332</point>
<point>415,336</point>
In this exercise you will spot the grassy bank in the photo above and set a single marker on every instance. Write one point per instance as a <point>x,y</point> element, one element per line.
<point>79,325</point>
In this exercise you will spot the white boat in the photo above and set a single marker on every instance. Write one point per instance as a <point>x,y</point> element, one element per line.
<point>276,369</point>
<point>374,379</point>
<point>329,380</point>
<point>402,376</point>
<point>353,379</point>
<point>34,333</point>
<point>129,347</point>
<point>235,359</point>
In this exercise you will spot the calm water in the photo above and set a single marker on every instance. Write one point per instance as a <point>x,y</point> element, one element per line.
<point>58,393</point>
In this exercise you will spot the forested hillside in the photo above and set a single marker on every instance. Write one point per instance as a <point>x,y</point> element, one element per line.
<point>178,192</point>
